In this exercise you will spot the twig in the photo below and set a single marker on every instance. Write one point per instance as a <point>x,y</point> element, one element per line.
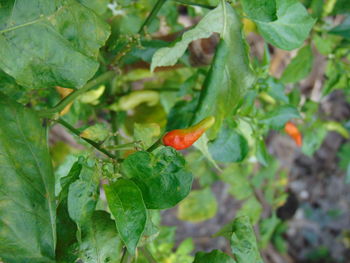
<point>194,4</point>
<point>70,98</point>
<point>124,256</point>
<point>152,15</point>
<point>154,146</point>
<point>148,255</point>
<point>92,143</point>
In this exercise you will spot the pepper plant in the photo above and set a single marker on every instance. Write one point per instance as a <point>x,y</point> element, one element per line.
<point>118,76</point>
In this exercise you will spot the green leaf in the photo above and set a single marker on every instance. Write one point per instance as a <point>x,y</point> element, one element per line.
<point>229,146</point>
<point>181,114</point>
<point>243,241</point>
<point>201,168</point>
<point>198,206</point>
<point>168,56</point>
<point>127,206</point>
<point>267,228</point>
<point>341,7</point>
<point>82,196</point>
<point>260,10</point>
<point>251,208</point>
<point>66,181</point>
<point>343,29</point>
<point>101,242</point>
<point>66,235</point>
<point>277,90</point>
<point>147,133</point>
<point>237,178</point>
<point>300,66</point>
<point>214,256</point>
<point>202,145</point>
<point>27,194</point>
<point>230,74</point>
<point>313,139</point>
<point>291,27</point>
<point>51,43</point>
<point>98,132</point>
<point>277,118</point>
<point>99,6</point>
<point>161,176</point>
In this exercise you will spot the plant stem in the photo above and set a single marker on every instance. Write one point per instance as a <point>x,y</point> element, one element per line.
<point>152,15</point>
<point>194,4</point>
<point>148,255</point>
<point>154,145</point>
<point>77,132</point>
<point>71,97</point>
<point>125,256</point>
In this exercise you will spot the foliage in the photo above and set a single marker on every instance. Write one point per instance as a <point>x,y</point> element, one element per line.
<point>126,84</point>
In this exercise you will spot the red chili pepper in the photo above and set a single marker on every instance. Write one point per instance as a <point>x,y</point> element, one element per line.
<point>183,138</point>
<point>294,133</point>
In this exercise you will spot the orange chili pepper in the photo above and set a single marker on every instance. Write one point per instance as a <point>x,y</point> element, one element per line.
<point>183,138</point>
<point>294,133</point>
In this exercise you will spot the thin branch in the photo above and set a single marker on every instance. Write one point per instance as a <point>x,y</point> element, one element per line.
<point>92,143</point>
<point>70,98</point>
<point>148,255</point>
<point>194,4</point>
<point>154,146</point>
<point>152,15</point>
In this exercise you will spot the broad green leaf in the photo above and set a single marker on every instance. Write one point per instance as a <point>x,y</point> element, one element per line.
<point>27,193</point>
<point>230,74</point>
<point>198,206</point>
<point>98,132</point>
<point>214,256</point>
<point>326,44</point>
<point>99,6</point>
<point>251,208</point>
<point>260,10</point>
<point>278,117</point>
<point>63,171</point>
<point>66,235</point>
<point>9,87</point>
<point>127,206</point>
<point>82,196</point>
<point>147,133</point>
<point>291,27</point>
<point>202,145</point>
<point>229,146</point>
<point>300,66</point>
<point>100,243</point>
<point>201,168</point>
<point>181,114</point>
<point>161,176</point>
<point>243,241</point>
<point>342,7</point>
<point>238,180</point>
<point>343,29</point>
<point>313,139</point>
<point>50,43</point>
<point>67,180</point>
